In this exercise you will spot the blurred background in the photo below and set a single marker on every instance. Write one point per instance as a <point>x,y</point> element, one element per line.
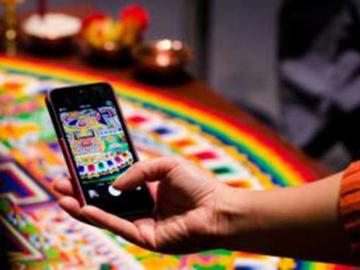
<point>240,47</point>
<point>236,48</point>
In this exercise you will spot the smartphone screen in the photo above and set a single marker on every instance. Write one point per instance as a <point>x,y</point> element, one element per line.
<point>90,121</point>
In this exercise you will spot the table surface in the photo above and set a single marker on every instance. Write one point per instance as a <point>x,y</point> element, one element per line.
<point>192,89</point>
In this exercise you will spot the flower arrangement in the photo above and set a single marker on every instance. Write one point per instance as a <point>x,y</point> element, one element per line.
<point>103,32</point>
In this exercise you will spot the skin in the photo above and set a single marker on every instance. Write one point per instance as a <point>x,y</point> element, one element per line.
<point>194,212</point>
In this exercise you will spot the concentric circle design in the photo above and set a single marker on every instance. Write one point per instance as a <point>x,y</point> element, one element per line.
<point>231,151</point>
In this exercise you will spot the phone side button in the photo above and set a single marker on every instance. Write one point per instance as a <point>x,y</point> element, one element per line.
<point>113,191</point>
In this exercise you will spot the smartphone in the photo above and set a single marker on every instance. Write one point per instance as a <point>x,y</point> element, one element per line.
<point>97,148</point>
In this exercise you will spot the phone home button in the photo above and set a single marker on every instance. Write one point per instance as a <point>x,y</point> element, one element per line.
<point>113,191</point>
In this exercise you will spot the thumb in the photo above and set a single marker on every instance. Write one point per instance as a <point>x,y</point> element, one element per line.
<point>146,171</point>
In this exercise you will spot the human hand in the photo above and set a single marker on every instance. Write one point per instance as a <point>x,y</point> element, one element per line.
<point>196,212</point>
<point>190,207</point>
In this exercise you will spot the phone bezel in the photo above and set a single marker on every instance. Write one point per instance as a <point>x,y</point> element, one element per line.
<point>55,99</point>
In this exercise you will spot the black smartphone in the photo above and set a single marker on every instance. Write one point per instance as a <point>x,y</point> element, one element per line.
<point>97,148</point>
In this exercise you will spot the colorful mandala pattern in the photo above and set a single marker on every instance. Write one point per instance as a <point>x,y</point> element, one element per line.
<point>42,236</point>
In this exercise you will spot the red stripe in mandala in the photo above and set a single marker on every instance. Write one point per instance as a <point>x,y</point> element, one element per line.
<point>205,155</point>
<point>342,267</point>
<point>136,119</point>
<point>294,163</point>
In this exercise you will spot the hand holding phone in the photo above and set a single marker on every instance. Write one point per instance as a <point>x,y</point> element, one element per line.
<point>97,148</point>
<point>189,207</point>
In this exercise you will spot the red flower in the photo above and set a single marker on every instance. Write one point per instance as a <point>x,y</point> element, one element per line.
<point>137,14</point>
<point>97,16</point>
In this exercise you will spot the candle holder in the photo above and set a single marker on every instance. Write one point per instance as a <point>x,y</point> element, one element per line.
<point>162,58</point>
<point>109,54</point>
<point>10,31</point>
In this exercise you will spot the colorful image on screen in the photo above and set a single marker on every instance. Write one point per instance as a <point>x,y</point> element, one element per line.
<point>98,143</point>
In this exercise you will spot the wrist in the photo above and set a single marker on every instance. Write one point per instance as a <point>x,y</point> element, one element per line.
<point>236,218</point>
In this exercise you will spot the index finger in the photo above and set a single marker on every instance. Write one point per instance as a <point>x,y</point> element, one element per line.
<point>146,171</point>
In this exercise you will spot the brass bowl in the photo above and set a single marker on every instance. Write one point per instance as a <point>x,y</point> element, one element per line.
<point>112,54</point>
<point>162,57</point>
